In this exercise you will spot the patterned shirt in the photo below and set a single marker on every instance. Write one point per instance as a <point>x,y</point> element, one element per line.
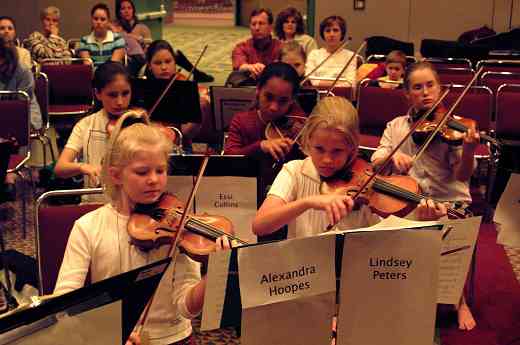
<point>101,52</point>
<point>246,53</point>
<point>52,47</point>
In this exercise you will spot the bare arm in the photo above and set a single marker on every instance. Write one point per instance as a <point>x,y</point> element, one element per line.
<point>67,167</point>
<point>118,55</point>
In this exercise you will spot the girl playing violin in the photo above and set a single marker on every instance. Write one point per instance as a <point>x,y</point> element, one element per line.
<point>135,173</point>
<point>160,59</point>
<point>275,98</point>
<point>443,171</point>
<point>89,137</point>
<point>331,140</point>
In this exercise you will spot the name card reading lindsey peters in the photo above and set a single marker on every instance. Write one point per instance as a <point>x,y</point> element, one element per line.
<point>286,270</point>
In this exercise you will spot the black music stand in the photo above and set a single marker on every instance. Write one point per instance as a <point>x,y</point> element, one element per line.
<point>134,288</point>
<point>181,104</point>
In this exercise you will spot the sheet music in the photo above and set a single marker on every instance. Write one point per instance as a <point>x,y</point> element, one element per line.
<point>507,213</point>
<point>214,297</point>
<point>456,253</point>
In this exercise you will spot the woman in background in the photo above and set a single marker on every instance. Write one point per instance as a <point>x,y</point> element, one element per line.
<point>289,27</point>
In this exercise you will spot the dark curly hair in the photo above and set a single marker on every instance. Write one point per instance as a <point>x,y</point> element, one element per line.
<point>282,18</point>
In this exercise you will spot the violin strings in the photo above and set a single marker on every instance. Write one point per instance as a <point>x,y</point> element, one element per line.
<point>386,186</point>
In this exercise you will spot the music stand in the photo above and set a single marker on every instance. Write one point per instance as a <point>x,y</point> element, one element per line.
<point>307,99</point>
<point>133,288</point>
<point>181,104</point>
<point>226,101</point>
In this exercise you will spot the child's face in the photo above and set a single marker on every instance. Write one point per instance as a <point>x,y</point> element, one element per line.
<point>115,96</point>
<point>275,98</point>
<point>329,151</point>
<point>145,178</point>
<point>163,64</point>
<point>332,35</point>
<point>296,60</point>
<point>100,22</point>
<point>424,89</point>
<point>394,70</point>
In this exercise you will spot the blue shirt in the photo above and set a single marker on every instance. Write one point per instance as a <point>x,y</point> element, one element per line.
<point>101,52</point>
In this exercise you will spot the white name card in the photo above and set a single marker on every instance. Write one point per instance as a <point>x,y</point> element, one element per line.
<point>288,291</point>
<point>388,289</point>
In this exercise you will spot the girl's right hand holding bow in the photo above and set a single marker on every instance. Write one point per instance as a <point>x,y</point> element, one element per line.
<point>277,148</point>
<point>336,206</point>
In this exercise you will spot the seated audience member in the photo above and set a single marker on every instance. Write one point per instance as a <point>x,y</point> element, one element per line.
<point>289,26</point>
<point>134,50</point>
<point>8,32</point>
<point>395,66</point>
<point>253,54</point>
<point>333,31</point>
<point>276,90</point>
<point>125,13</point>
<point>292,53</point>
<point>15,77</point>
<point>102,44</point>
<point>48,44</point>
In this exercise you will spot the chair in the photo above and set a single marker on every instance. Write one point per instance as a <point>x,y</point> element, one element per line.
<point>376,107</point>
<point>15,122</point>
<point>493,80</point>
<point>70,86</point>
<point>53,225</point>
<point>449,62</point>
<point>44,145</point>
<point>459,76</point>
<point>507,129</point>
<point>476,105</point>
<point>500,65</point>
<point>377,58</point>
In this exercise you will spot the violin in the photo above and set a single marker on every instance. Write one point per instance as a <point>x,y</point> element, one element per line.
<point>385,195</point>
<point>151,226</point>
<point>452,132</point>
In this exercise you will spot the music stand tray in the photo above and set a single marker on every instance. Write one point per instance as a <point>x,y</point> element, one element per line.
<point>133,289</point>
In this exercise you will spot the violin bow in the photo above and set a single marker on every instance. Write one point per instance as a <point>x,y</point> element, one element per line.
<point>338,49</point>
<point>397,147</point>
<point>446,117</point>
<point>173,245</point>
<point>165,91</point>
<point>329,91</point>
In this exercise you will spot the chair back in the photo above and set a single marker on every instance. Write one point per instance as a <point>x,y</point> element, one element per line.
<point>377,106</point>
<point>493,80</point>
<point>15,116</point>
<point>376,58</point>
<point>41,91</point>
<point>449,62</point>
<point>459,76</point>
<point>477,104</point>
<point>499,65</point>
<point>53,227</point>
<point>70,81</point>
<point>506,108</point>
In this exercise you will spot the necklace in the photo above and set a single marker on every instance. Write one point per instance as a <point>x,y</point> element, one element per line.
<point>259,113</point>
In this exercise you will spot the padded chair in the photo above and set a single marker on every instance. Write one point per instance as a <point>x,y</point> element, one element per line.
<point>476,105</point>
<point>70,86</point>
<point>15,122</point>
<point>377,58</point>
<point>53,225</point>
<point>376,107</point>
<point>507,130</point>
<point>384,45</point>
<point>449,62</point>
<point>458,76</point>
<point>493,80</point>
<point>499,65</point>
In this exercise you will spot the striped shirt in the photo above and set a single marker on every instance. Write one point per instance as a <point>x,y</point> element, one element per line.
<point>101,52</point>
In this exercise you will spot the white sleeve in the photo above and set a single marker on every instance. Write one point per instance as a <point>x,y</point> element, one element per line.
<point>385,144</point>
<point>350,73</point>
<point>187,274</point>
<point>285,184</point>
<point>312,62</point>
<point>75,141</point>
<point>76,261</point>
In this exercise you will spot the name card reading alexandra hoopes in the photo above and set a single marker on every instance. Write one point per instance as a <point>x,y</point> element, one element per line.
<point>288,291</point>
